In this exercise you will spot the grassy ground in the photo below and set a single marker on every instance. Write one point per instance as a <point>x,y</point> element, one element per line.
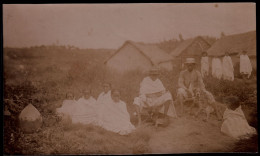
<point>46,76</point>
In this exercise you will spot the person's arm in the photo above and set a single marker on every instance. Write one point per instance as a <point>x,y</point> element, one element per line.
<point>181,82</point>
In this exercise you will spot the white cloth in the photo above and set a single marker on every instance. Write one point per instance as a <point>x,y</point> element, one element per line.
<point>228,69</point>
<point>245,65</point>
<point>115,118</point>
<point>103,98</point>
<point>216,68</point>
<point>67,108</point>
<point>85,111</point>
<point>235,124</point>
<point>204,66</point>
<point>154,94</point>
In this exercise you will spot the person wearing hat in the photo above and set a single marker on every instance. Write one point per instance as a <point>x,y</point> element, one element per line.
<point>154,96</point>
<point>189,80</point>
<point>245,65</point>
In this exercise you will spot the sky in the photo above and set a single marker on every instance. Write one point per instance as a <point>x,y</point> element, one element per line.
<point>110,25</point>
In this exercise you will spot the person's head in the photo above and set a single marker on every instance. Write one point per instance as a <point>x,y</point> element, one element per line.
<point>190,63</point>
<point>226,53</point>
<point>244,52</point>
<point>115,95</point>
<point>232,102</point>
<point>154,73</point>
<point>204,54</point>
<point>69,96</point>
<point>106,86</point>
<point>86,93</point>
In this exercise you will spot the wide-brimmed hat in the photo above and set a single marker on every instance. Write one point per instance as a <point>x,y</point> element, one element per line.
<point>154,71</point>
<point>190,61</point>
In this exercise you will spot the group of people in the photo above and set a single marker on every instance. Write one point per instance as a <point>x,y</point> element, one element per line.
<point>109,112</point>
<point>224,68</point>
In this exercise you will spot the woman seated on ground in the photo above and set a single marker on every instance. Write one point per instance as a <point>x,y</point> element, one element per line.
<point>85,109</point>
<point>235,123</point>
<point>67,106</point>
<point>115,116</point>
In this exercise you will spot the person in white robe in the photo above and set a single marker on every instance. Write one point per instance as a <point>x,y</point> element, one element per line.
<point>85,111</point>
<point>245,65</point>
<point>67,107</point>
<point>153,95</point>
<point>105,95</point>
<point>216,68</point>
<point>234,121</point>
<point>115,116</point>
<point>228,69</point>
<point>204,64</point>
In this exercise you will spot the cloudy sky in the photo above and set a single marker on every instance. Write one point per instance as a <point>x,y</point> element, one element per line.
<point>109,25</point>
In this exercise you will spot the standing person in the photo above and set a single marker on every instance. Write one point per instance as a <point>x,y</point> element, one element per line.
<point>228,69</point>
<point>216,68</point>
<point>245,65</point>
<point>204,64</point>
<point>154,96</point>
<point>189,80</point>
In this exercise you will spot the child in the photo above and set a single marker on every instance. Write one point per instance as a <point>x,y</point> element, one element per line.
<point>234,121</point>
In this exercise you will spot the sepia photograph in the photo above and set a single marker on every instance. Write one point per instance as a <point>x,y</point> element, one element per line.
<point>135,78</point>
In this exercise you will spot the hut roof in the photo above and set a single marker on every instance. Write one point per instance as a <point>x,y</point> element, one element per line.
<point>234,44</point>
<point>183,45</point>
<point>151,51</point>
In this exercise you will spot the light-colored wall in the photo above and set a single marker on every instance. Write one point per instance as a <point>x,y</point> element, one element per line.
<point>129,58</point>
<point>166,65</point>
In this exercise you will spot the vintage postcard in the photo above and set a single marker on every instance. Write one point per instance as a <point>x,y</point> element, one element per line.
<point>141,78</point>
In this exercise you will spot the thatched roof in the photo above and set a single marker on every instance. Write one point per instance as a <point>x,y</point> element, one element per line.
<point>151,51</point>
<point>235,44</point>
<point>185,44</point>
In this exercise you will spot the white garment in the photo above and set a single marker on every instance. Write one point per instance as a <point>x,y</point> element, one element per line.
<point>154,94</point>
<point>115,118</point>
<point>103,98</point>
<point>216,68</point>
<point>85,111</point>
<point>235,124</point>
<point>67,107</point>
<point>228,69</point>
<point>245,65</point>
<point>204,66</point>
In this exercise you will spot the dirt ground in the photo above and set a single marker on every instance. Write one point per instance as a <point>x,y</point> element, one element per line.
<point>188,134</point>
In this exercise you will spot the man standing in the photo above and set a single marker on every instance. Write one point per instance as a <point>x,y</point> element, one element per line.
<point>228,69</point>
<point>204,64</point>
<point>245,65</point>
<point>189,80</point>
<point>154,96</point>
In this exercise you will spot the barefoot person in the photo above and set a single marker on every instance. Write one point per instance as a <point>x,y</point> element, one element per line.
<point>115,116</point>
<point>154,96</point>
<point>189,80</point>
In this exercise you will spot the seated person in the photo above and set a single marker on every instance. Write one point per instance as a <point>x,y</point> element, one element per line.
<point>105,95</point>
<point>67,106</point>
<point>154,96</point>
<point>115,116</point>
<point>85,109</point>
<point>190,80</point>
<point>234,121</point>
